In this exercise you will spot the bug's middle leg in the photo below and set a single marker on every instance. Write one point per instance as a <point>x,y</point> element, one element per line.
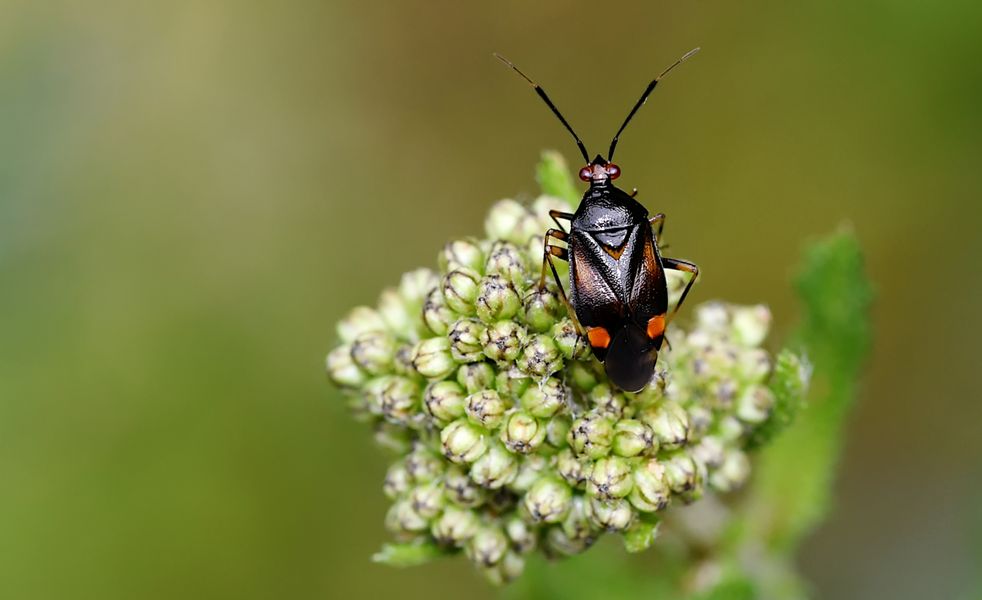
<point>677,264</point>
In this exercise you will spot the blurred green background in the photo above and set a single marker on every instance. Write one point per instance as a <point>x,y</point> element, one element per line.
<point>192,193</point>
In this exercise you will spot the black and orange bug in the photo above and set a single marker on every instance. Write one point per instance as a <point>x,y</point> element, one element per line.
<point>617,274</point>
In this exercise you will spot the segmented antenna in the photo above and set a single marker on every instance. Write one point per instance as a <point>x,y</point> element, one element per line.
<point>644,97</point>
<point>545,98</point>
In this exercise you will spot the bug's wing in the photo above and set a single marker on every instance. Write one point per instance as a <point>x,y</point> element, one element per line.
<point>594,290</point>
<point>631,358</point>
<point>648,297</point>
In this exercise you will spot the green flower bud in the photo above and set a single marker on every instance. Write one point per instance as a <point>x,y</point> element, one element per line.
<point>709,451</point>
<point>578,526</point>
<point>462,442</point>
<point>423,465</point>
<point>640,535</point>
<point>374,351</point>
<point>506,260</point>
<point>571,468</point>
<point>548,500</point>
<point>476,377</point>
<point>557,429</point>
<point>546,399</point>
<point>508,569</point>
<point>681,473</point>
<point>522,433</point>
<point>486,408</point>
<point>461,490</point>
<point>540,357</point>
<point>502,500</point>
<point>754,365</point>
<point>428,499</point>
<point>511,382</point>
<point>488,546</point>
<point>541,309</point>
<point>510,221</point>
<point>372,391</point>
<point>444,401</point>
<point>572,345</point>
<point>610,478</point>
<point>700,420</point>
<point>394,436</point>
<point>432,358</point>
<point>416,284</point>
<point>502,341</point>
<point>342,369</point>
<point>461,254</point>
<point>397,481</point>
<point>398,316</point>
<point>530,470</point>
<point>360,320</point>
<point>400,401</point>
<point>496,468</point>
<point>733,473</point>
<point>460,290</point>
<point>497,299</point>
<point>522,536</point>
<point>632,438</point>
<point>402,361</point>
<point>591,435</point>
<point>608,401</point>
<point>755,404</point>
<point>436,314</point>
<point>465,340</point>
<point>723,391</point>
<point>669,422</point>
<point>455,526</point>
<point>750,324</point>
<point>582,375</point>
<point>712,317</point>
<point>650,492</point>
<point>612,515</point>
<point>403,520</point>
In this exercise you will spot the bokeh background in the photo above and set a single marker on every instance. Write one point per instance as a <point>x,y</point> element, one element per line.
<point>192,193</point>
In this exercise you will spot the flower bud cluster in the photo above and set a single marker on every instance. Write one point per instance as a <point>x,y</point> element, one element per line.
<point>509,438</point>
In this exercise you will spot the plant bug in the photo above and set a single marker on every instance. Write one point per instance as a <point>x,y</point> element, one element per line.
<point>617,274</point>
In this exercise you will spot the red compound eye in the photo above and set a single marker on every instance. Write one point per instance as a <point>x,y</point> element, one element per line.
<point>586,173</point>
<point>613,170</point>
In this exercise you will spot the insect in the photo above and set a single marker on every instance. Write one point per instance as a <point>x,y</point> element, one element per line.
<point>617,274</point>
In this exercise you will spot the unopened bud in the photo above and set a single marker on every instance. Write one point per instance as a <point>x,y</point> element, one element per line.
<point>613,515</point>
<point>632,437</point>
<point>570,468</point>
<point>436,314</point>
<point>423,465</point>
<point>463,442</point>
<point>541,309</point>
<point>733,473</point>
<point>681,473</point>
<point>460,290</point>
<point>496,468</point>
<point>432,358</point>
<point>465,340</point>
<point>540,357</point>
<point>497,299</point>
<point>608,401</point>
<point>461,490</point>
<point>488,546</point>
<point>755,404</point>
<point>486,408</point>
<point>571,344</point>
<point>522,536</point>
<point>373,351</point>
<point>427,499</point>
<point>669,422</point>
<point>548,500</point>
<point>476,377</point>
<point>522,433</point>
<point>342,369</point>
<point>750,324</point>
<point>397,481</point>
<point>546,399</point>
<point>361,319</point>
<point>650,492</point>
<point>458,254</point>
<point>455,526</point>
<point>591,435</point>
<point>400,401</point>
<point>506,260</point>
<point>502,341</point>
<point>609,478</point>
<point>444,401</point>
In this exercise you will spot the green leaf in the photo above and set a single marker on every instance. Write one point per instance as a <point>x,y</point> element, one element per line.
<point>792,491</point>
<point>554,178</point>
<point>407,555</point>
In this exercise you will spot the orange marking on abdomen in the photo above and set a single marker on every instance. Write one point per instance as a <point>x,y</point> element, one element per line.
<point>598,336</point>
<point>656,326</point>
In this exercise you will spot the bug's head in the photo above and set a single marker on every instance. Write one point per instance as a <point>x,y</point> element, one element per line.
<point>600,172</point>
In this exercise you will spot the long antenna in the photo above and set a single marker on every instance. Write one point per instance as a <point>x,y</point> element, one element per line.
<point>545,98</point>
<point>644,97</point>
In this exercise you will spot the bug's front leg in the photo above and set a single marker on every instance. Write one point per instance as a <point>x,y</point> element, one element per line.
<point>558,214</point>
<point>677,264</point>
<point>660,220</point>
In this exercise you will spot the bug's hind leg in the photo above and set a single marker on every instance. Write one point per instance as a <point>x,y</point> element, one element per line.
<point>558,214</point>
<point>682,265</point>
<point>549,252</point>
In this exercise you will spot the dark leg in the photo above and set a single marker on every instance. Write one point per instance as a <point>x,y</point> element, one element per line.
<point>682,265</point>
<point>548,252</point>
<point>558,214</point>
